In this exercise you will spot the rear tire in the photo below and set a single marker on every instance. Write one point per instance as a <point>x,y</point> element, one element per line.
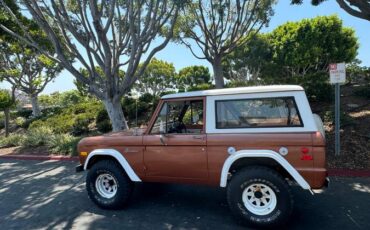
<point>107,185</point>
<point>260,197</point>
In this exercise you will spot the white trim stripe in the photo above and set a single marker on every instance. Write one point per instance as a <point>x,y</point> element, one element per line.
<point>265,154</point>
<point>119,157</point>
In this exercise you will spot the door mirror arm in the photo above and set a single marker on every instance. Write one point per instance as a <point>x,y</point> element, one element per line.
<point>161,138</point>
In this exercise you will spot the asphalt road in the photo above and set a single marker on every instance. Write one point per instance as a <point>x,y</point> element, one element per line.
<point>50,195</point>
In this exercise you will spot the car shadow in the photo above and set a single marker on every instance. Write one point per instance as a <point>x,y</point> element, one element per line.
<point>50,195</point>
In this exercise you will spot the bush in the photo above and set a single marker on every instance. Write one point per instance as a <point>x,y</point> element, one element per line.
<point>203,86</point>
<point>63,144</point>
<point>25,113</point>
<point>11,141</point>
<point>104,126</point>
<point>103,123</point>
<point>37,136</point>
<point>59,124</point>
<point>81,124</point>
<point>2,123</point>
<point>316,85</point>
<point>20,121</point>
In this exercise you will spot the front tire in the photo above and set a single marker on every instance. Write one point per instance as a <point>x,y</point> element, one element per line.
<point>108,185</point>
<point>260,197</point>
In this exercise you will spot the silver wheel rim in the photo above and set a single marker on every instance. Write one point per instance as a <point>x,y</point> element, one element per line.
<point>259,199</point>
<point>106,185</point>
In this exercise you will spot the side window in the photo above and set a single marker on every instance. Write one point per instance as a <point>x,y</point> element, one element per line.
<point>254,113</point>
<point>180,117</point>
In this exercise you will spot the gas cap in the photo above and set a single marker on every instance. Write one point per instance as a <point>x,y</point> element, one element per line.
<point>231,150</point>
<point>283,151</point>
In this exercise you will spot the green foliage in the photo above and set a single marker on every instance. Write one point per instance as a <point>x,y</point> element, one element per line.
<point>12,140</point>
<point>144,105</point>
<point>250,59</point>
<point>20,121</point>
<point>65,144</point>
<point>311,44</point>
<point>62,100</point>
<point>103,123</point>
<point>191,76</point>
<point>37,136</point>
<point>81,124</point>
<point>71,120</point>
<point>158,76</point>
<point>316,85</point>
<point>356,73</point>
<point>25,113</point>
<point>203,86</point>
<point>5,99</point>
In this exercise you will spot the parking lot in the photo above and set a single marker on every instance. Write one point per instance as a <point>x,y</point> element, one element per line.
<point>50,195</point>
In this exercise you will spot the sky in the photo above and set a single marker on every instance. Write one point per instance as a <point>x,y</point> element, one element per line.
<point>181,57</point>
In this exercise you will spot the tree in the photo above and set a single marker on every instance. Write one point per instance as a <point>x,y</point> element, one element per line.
<point>6,101</point>
<point>310,45</point>
<point>158,77</point>
<point>250,60</point>
<point>192,76</point>
<point>27,70</point>
<point>356,8</point>
<point>109,34</point>
<point>22,65</point>
<point>218,27</point>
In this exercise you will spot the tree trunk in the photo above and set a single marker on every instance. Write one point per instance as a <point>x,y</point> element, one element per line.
<point>115,113</point>
<point>6,122</point>
<point>218,73</point>
<point>35,106</point>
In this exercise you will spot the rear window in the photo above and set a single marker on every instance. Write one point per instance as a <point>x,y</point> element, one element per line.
<point>257,113</point>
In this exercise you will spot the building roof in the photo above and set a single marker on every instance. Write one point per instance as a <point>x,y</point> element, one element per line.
<point>241,90</point>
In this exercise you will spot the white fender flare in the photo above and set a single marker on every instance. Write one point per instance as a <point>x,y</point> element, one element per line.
<point>119,157</point>
<point>265,154</point>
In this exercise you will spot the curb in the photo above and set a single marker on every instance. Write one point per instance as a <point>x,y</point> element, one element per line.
<point>39,157</point>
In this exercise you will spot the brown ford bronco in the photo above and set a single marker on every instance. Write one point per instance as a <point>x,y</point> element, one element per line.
<point>253,141</point>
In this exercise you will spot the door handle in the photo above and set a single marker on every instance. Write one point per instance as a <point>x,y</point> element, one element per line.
<point>198,137</point>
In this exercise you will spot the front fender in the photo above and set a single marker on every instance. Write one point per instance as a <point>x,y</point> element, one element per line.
<point>116,155</point>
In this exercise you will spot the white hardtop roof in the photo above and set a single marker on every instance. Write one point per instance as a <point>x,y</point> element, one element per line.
<point>241,90</point>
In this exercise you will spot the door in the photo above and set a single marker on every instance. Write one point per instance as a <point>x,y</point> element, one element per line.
<point>176,144</point>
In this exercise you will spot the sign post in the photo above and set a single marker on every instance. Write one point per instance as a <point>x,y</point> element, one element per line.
<point>337,76</point>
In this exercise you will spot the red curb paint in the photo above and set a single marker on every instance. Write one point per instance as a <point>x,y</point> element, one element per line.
<point>39,158</point>
<point>348,173</point>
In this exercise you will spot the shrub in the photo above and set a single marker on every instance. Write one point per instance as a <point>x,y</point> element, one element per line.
<point>12,140</point>
<point>316,86</point>
<point>104,126</point>
<point>20,121</point>
<point>65,144</point>
<point>2,123</point>
<point>81,124</point>
<point>37,136</point>
<point>25,113</point>
<point>103,123</point>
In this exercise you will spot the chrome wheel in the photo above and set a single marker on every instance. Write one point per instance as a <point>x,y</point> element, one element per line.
<point>106,185</point>
<point>259,199</point>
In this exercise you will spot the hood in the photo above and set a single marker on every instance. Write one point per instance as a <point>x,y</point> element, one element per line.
<point>109,140</point>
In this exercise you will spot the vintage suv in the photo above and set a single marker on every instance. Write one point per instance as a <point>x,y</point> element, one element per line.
<point>253,141</point>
